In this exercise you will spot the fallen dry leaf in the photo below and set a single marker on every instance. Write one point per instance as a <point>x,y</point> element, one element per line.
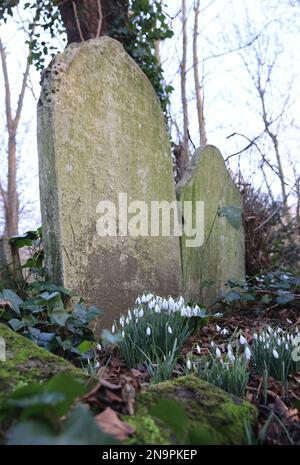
<point>109,422</point>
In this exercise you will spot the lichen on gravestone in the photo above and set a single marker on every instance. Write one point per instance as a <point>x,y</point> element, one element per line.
<point>101,132</point>
<point>221,255</point>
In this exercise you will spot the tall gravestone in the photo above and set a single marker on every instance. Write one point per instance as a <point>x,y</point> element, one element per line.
<point>101,132</point>
<point>222,253</point>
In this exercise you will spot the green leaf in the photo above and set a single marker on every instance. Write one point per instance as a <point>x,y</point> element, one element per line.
<point>266,299</point>
<point>85,346</point>
<point>108,338</point>
<point>94,312</point>
<point>79,429</point>
<point>56,310</point>
<point>232,296</point>
<point>13,299</point>
<point>173,414</point>
<point>284,297</point>
<point>233,214</point>
<point>16,325</point>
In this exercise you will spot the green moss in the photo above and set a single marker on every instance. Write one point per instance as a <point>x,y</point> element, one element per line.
<point>26,363</point>
<point>211,412</point>
<point>147,430</point>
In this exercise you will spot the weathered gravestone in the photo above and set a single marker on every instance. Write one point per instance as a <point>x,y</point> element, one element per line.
<point>222,253</point>
<point>101,132</point>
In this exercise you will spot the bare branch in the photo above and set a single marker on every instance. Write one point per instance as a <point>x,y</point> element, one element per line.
<point>7,87</point>
<point>100,18</point>
<point>77,21</point>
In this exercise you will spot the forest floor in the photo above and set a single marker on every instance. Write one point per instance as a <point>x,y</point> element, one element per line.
<point>278,418</point>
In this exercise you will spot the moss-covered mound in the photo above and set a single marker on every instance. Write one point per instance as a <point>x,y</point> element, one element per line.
<point>214,417</point>
<point>26,362</point>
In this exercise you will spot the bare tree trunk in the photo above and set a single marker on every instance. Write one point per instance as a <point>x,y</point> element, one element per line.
<point>183,85</point>
<point>89,19</point>
<point>10,195</point>
<point>12,207</point>
<point>198,88</point>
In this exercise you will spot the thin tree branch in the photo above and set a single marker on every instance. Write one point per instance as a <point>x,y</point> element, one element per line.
<point>77,21</point>
<point>100,18</point>
<point>7,87</point>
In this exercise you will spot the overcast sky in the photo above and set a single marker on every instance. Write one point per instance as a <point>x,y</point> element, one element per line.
<point>230,102</point>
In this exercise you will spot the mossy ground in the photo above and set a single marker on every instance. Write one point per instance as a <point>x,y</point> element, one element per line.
<point>26,363</point>
<point>211,412</point>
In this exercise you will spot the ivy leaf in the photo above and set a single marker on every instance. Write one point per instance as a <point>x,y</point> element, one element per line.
<point>109,339</point>
<point>233,214</point>
<point>13,299</point>
<point>284,297</point>
<point>79,429</point>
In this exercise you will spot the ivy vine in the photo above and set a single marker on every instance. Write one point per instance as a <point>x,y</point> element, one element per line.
<point>147,24</point>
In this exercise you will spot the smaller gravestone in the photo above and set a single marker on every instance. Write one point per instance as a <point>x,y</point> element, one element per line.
<point>221,255</point>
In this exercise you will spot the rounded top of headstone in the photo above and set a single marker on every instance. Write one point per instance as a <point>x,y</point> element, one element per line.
<point>91,53</point>
<point>207,156</point>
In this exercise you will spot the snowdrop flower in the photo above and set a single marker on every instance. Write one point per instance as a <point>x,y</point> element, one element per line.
<point>267,345</point>
<point>229,347</point>
<point>123,334</point>
<point>138,301</point>
<point>270,330</point>
<point>129,315</point>
<point>275,353</point>
<point>286,346</point>
<point>260,338</point>
<point>165,305</point>
<point>188,311</point>
<point>99,347</point>
<point>143,299</point>
<point>148,331</point>
<point>218,353</point>
<point>278,342</point>
<point>188,364</point>
<point>141,313</point>
<point>279,330</point>
<point>255,336</point>
<point>181,300</point>
<point>224,332</point>
<point>231,357</point>
<point>198,349</point>
<point>151,305</point>
<point>171,304</point>
<point>113,329</point>
<point>212,344</point>
<point>247,353</point>
<point>218,328</point>
<point>127,321</point>
<point>242,340</point>
<point>122,321</point>
<point>157,308</point>
<point>170,330</point>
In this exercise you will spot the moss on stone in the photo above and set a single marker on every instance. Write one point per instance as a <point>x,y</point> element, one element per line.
<point>212,413</point>
<point>26,363</point>
<point>147,431</point>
